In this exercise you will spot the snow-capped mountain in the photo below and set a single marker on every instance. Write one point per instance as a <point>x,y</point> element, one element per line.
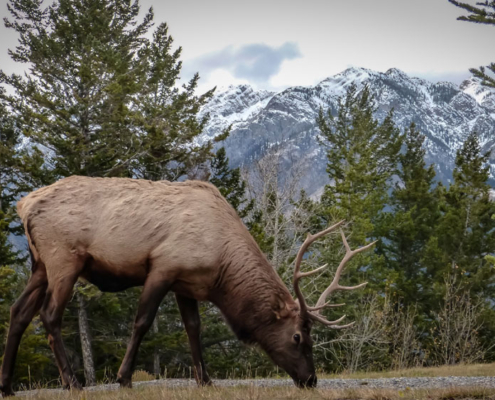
<point>286,121</point>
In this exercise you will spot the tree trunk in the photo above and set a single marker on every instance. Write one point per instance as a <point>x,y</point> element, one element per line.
<point>89,365</point>
<point>156,356</point>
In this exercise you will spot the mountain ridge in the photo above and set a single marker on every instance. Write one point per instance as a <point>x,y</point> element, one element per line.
<point>264,120</point>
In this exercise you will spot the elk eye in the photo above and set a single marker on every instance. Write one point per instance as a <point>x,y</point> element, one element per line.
<point>297,337</point>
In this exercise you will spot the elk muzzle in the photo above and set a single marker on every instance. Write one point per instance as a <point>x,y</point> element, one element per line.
<point>307,383</point>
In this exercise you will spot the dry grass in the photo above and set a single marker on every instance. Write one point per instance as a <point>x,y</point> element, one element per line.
<point>142,376</point>
<point>257,393</point>
<point>446,370</point>
<point>250,392</point>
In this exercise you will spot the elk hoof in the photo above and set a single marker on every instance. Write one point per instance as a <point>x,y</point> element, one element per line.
<point>125,383</point>
<point>6,391</point>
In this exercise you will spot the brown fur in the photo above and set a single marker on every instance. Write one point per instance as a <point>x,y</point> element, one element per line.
<point>124,228</point>
<point>184,237</point>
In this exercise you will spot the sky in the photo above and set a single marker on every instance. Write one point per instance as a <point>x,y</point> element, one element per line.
<point>274,44</point>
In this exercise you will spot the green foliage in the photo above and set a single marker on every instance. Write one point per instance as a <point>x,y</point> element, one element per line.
<point>409,227</point>
<point>20,171</point>
<point>482,13</point>
<point>34,363</point>
<point>258,232</point>
<point>466,230</point>
<point>101,99</point>
<point>362,157</point>
<point>101,96</point>
<point>362,154</point>
<point>230,183</point>
<point>427,233</point>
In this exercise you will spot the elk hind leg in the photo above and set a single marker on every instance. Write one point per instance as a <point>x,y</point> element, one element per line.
<point>58,295</point>
<point>21,315</point>
<point>190,316</point>
<point>154,291</point>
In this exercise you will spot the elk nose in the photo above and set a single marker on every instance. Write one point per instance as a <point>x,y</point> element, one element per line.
<point>307,383</point>
<point>311,382</point>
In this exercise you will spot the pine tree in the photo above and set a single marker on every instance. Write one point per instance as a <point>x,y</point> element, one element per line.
<point>411,223</point>
<point>466,231</point>
<point>100,95</point>
<point>21,169</point>
<point>101,100</point>
<point>230,183</point>
<point>257,229</point>
<point>169,116</point>
<point>362,156</point>
<point>8,163</point>
<point>464,237</point>
<point>482,13</point>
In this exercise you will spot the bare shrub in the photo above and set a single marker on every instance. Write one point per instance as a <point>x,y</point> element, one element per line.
<point>359,347</point>
<point>457,325</point>
<point>274,197</point>
<point>405,345</point>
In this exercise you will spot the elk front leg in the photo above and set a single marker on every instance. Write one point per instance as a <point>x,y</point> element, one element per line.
<point>153,293</point>
<point>57,297</point>
<point>190,316</point>
<point>21,314</point>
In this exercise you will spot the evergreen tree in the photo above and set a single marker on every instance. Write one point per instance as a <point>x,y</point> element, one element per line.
<point>230,184</point>
<point>256,227</point>
<point>362,157</point>
<point>101,100</point>
<point>20,169</point>
<point>100,95</point>
<point>409,227</point>
<point>466,231</point>
<point>482,13</point>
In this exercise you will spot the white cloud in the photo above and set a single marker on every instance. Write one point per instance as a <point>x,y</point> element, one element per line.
<point>256,62</point>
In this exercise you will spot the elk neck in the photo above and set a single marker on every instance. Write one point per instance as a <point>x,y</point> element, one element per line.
<point>248,290</point>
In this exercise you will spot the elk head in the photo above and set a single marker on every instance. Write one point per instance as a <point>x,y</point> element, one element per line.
<point>291,344</point>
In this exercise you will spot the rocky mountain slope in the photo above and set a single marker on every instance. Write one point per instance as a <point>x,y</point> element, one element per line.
<point>284,122</point>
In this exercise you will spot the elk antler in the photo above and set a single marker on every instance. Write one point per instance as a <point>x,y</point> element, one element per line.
<point>313,312</point>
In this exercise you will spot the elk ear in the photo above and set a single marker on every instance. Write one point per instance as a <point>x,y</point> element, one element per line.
<point>281,309</point>
<point>297,306</point>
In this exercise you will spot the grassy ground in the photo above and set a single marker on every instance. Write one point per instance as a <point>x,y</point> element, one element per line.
<point>272,393</point>
<point>446,370</point>
<point>257,393</point>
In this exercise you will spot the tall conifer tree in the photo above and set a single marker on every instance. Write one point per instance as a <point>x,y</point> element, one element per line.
<point>411,224</point>
<point>362,157</point>
<point>466,232</point>
<point>100,98</point>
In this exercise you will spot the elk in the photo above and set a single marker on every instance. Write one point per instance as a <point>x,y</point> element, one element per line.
<point>182,237</point>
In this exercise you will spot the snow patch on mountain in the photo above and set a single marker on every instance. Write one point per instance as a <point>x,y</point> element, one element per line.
<point>286,121</point>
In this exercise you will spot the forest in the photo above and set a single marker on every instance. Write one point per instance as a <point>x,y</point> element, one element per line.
<point>100,98</point>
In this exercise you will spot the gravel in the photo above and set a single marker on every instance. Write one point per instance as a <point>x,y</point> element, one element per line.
<point>383,383</point>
